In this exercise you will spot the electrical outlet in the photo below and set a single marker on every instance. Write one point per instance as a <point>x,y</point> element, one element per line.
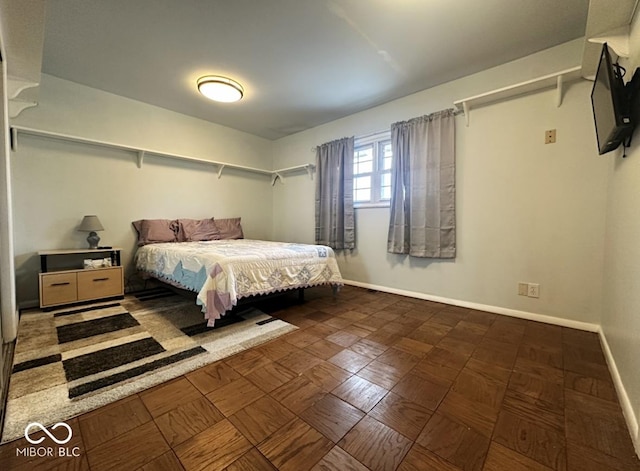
<point>550,136</point>
<point>523,289</point>
<point>534,290</point>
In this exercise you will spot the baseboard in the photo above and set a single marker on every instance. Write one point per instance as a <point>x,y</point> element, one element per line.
<point>29,304</point>
<point>483,307</point>
<point>623,397</point>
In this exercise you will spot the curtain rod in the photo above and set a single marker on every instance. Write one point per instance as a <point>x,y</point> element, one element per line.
<point>364,136</point>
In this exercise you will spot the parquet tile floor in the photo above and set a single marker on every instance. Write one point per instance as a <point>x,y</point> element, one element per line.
<point>372,381</point>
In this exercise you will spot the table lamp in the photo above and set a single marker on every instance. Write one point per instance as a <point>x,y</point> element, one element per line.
<point>91,224</point>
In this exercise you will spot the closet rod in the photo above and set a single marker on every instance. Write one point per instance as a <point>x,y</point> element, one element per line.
<point>136,150</point>
<point>141,152</point>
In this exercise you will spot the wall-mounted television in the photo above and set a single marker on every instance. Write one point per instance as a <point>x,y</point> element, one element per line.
<point>611,102</point>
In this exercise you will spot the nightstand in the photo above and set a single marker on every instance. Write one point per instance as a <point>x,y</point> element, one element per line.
<point>64,281</point>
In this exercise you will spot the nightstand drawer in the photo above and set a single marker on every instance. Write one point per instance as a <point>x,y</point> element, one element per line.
<point>57,288</point>
<point>100,283</point>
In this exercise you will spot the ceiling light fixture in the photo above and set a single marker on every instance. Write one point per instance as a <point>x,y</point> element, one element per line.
<point>219,88</point>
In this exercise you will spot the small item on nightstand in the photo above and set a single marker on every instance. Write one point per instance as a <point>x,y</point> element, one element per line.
<point>97,263</point>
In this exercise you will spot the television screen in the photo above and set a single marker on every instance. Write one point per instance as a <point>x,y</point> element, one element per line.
<point>610,105</point>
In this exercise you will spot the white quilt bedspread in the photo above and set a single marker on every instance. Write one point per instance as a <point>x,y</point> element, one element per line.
<point>234,269</point>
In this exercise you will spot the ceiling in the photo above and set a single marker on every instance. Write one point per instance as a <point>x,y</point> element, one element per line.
<point>302,62</point>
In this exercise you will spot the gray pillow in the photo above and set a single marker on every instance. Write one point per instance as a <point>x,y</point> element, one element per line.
<point>229,228</point>
<point>154,231</point>
<point>198,229</point>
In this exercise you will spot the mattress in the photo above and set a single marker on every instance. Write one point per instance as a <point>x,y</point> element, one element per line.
<point>224,271</point>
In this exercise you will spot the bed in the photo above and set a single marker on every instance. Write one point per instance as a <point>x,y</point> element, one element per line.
<point>224,271</point>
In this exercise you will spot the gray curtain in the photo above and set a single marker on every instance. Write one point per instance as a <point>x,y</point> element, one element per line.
<point>335,224</point>
<point>423,220</point>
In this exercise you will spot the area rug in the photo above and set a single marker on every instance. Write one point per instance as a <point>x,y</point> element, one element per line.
<point>69,361</point>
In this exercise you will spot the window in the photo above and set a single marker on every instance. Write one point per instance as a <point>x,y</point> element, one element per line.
<point>372,170</point>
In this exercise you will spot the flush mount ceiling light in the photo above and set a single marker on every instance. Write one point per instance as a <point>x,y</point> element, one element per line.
<point>219,88</point>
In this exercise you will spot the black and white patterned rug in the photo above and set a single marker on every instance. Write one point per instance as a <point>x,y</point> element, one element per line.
<point>73,360</point>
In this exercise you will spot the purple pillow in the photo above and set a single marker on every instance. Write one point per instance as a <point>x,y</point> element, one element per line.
<point>154,231</point>
<point>198,229</point>
<point>229,228</point>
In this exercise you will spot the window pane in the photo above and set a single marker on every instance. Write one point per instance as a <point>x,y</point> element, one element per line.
<point>360,183</point>
<point>372,170</point>
<point>385,153</point>
<point>385,186</point>
<point>364,151</point>
<point>362,195</point>
<point>363,160</point>
<point>364,167</point>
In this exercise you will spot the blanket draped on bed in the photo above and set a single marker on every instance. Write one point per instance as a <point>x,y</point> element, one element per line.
<point>223,271</point>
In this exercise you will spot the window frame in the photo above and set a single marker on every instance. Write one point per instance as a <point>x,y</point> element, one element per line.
<point>377,142</point>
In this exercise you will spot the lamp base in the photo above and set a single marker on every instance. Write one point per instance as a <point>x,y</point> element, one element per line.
<point>93,240</point>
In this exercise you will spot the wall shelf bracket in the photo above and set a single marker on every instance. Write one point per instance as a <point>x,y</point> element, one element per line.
<point>617,39</point>
<point>140,158</point>
<point>14,139</point>
<point>559,86</point>
<point>15,86</point>
<point>276,176</point>
<point>17,106</point>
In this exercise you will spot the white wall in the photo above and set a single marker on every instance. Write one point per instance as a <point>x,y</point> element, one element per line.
<point>621,313</point>
<point>56,183</point>
<point>526,211</point>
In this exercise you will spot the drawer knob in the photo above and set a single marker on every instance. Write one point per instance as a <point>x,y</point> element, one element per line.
<point>100,279</point>
<point>60,284</point>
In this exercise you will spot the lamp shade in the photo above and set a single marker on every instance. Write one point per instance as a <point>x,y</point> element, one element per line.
<point>91,224</point>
